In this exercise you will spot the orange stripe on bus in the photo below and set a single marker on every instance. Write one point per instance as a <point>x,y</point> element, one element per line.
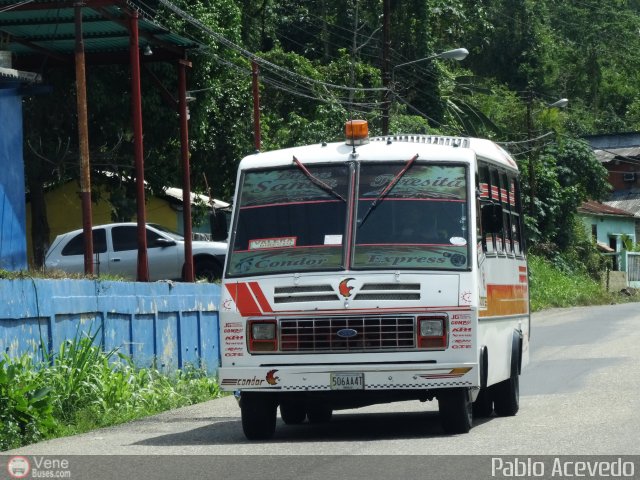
<point>506,300</point>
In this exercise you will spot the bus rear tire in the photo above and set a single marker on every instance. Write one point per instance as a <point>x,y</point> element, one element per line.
<point>258,415</point>
<point>506,396</point>
<point>456,411</point>
<point>483,406</point>
<point>292,412</point>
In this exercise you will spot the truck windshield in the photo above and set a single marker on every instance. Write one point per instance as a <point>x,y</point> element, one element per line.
<point>290,220</point>
<point>421,222</point>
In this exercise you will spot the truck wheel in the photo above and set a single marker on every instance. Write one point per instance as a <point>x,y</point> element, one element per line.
<point>506,396</point>
<point>319,414</point>
<point>258,415</point>
<point>292,412</point>
<point>483,406</point>
<point>455,410</point>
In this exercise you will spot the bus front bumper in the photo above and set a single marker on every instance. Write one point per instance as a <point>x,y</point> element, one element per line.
<point>359,377</point>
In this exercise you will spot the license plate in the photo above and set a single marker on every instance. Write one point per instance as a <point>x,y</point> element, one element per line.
<point>347,381</point>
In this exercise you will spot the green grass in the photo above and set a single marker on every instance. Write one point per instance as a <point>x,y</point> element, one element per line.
<point>82,388</point>
<point>551,287</point>
<point>54,275</point>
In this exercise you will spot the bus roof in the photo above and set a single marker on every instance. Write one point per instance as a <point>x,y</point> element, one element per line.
<point>396,147</point>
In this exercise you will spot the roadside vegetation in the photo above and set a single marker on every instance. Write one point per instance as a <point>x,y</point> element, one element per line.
<point>81,388</point>
<point>554,287</point>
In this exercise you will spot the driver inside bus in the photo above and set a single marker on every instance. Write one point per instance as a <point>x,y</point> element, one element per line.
<point>420,227</point>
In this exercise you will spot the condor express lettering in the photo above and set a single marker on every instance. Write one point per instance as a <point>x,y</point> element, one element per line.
<point>372,271</point>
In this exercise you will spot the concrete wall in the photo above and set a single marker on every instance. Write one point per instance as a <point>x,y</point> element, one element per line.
<point>615,281</point>
<point>173,324</point>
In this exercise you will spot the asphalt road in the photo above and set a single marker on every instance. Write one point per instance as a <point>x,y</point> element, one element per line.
<point>579,396</point>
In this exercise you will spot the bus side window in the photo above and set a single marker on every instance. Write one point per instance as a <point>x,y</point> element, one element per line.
<point>488,239</point>
<point>506,195</point>
<point>516,219</point>
<point>495,192</point>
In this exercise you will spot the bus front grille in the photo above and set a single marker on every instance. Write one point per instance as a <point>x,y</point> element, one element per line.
<point>347,334</point>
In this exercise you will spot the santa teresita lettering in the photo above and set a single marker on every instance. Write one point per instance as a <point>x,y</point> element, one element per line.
<point>383,180</point>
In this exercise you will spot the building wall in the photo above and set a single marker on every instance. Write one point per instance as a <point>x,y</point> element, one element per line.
<point>610,226</point>
<point>13,248</point>
<point>617,172</point>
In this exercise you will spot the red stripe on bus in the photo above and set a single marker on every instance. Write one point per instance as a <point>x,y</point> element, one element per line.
<point>262,300</point>
<point>243,298</point>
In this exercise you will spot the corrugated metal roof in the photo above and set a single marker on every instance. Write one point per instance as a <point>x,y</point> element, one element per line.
<point>628,200</point>
<point>195,197</point>
<point>605,156</point>
<point>43,26</point>
<point>598,208</point>
<point>12,74</point>
<point>608,147</point>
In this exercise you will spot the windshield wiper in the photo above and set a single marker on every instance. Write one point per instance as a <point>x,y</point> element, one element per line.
<point>388,188</point>
<point>317,181</point>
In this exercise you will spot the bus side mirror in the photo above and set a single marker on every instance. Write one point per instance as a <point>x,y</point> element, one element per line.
<point>491,218</point>
<point>218,224</point>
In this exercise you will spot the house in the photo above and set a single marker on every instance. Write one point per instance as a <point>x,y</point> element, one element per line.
<point>608,226</point>
<point>64,210</point>
<point>619,153</point>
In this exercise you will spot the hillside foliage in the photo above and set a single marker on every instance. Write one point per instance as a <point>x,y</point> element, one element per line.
<point>321,64</point>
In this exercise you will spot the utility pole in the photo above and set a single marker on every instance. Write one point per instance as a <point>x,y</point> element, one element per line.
<point>386,71</point>
<point>83,135</point>
<point>256,105</point>
<point>532,178</point>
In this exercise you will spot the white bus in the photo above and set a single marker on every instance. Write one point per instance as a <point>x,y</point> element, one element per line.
<point>371,271</point>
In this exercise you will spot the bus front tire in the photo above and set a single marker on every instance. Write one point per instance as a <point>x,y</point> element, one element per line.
<point>456,411</point>
<point>258,415</point>
<point>506,396</point>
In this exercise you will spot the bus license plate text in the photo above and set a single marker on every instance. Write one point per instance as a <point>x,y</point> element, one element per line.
<point>347,381</point>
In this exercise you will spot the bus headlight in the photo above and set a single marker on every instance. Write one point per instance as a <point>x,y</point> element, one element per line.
<point>432,332</point>
<point>263,336</point>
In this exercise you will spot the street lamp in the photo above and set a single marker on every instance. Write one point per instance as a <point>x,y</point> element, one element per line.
<point>455,54</point>
<point>562,103</point>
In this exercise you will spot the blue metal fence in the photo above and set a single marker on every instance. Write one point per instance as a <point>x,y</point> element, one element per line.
<point>166,324</point>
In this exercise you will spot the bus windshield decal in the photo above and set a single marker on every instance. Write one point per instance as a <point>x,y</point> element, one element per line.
<point>422,181</point>
<point>262,243</point>
<point>388,188</point>
<point>316,180</point>
<point>266,187</point>
<point>280,261</point>
<point>411,256</point>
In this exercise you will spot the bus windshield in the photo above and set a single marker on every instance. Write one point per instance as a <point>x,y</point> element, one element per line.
<point>408,215</point>
<point>421,222</point>
<point>290,220</point>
